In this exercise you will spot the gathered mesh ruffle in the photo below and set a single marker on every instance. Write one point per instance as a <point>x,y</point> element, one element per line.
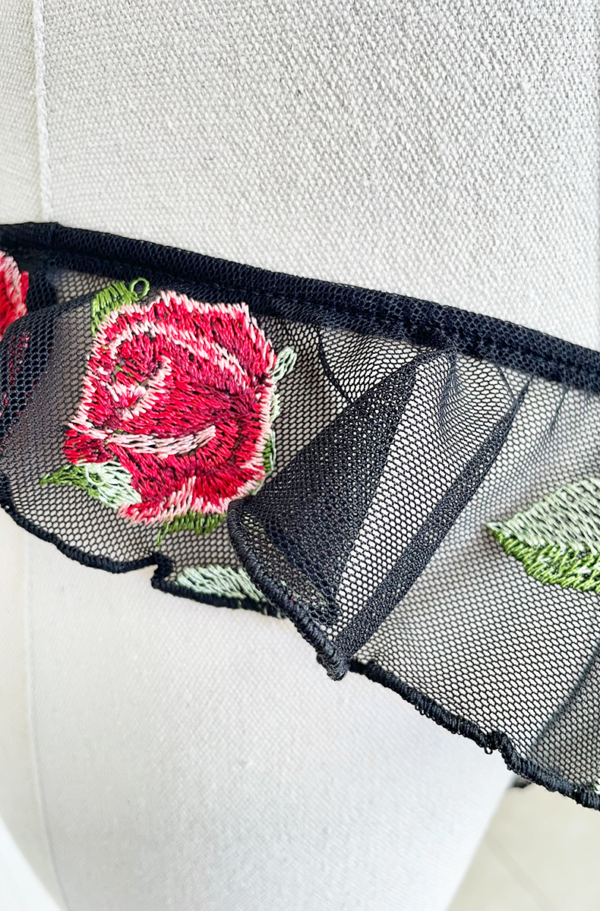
<point>414,486</point>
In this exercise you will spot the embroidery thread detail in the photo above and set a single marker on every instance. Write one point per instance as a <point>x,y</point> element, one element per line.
<point>222,581</point>
<point>108,482</point>
<point>270,454</point>
<point>558,539</point>
<point>179,397</point>
<point>114,297</point>
<point>197,522</point>
<point>286,361</point>
<point>13,292</point>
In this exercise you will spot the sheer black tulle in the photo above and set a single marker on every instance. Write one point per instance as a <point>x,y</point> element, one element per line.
<point>405,427</point>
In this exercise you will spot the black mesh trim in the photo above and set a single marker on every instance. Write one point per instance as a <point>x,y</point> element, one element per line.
<point>490,741</point>
<point>274,510</point>
<point>277,294</point>
<point>164,566</point>
<point>450,332</point>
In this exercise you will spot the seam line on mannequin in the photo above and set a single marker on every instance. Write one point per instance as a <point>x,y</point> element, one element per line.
<point>36,772</point>
<point>42,109</point>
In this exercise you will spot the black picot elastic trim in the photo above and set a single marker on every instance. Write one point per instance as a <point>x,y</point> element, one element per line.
<point>494,740</point>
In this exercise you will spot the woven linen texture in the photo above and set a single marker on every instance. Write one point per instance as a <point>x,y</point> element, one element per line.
<point>405,430</point>
<point>212,764</point>
<point>447,150</point>
<point>19,148</point>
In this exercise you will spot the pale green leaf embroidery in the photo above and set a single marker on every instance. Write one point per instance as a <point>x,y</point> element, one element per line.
<point>558,539</point>
<point>107,482</point>
<point>222,581</point>
<point>286,361</point>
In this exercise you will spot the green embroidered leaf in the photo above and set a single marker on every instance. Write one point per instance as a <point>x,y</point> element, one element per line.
<point>270,454</point>
<point>107,482</point>
<point>286,361</point>
<point>222,581</point>
<point>558,539</point>
<point>197,522</point>
<point>114,297</point>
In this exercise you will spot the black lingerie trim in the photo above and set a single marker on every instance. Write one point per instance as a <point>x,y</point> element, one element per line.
<point>424,323</point>
<point>310,300</point>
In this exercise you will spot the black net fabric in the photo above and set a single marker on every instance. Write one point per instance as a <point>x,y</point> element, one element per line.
<point>404,430</point>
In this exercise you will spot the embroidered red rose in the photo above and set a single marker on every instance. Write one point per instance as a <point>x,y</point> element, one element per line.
<point>13,291</point>
<point>179,394</point>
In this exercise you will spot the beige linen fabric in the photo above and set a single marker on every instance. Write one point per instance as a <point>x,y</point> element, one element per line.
<point>197,758</point>
<point>20,197</point>
<point>19,200</point>
<point>447,149</point>
<point>20,888</point>
<point>20,805</point>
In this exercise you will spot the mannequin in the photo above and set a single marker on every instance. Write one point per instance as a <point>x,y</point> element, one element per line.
<point>204,786</point>
<point>145,765</point>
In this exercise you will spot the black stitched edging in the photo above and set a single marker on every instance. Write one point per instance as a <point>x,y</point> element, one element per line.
<point>311,300</point>
<point>172,588</point>
<point>75,553</point>
<point>494,740</point>
<point>159,580</point>
<point>327,654</point>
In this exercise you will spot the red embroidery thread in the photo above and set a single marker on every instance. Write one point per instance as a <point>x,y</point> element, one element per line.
<point>181,394</point>
<point>13,291</point>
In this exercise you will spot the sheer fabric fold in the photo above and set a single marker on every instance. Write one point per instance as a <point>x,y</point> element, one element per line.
<point>412,485</point>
